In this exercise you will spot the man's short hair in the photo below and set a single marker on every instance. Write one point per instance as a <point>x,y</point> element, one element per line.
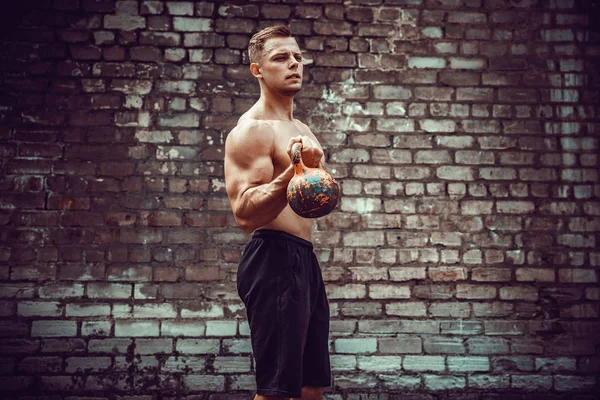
<point>257,42</point>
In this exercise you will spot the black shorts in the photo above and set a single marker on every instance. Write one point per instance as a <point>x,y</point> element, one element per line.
<point>279,280</point>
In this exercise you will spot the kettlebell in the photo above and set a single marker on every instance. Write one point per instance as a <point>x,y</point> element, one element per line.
<point>312,192</point>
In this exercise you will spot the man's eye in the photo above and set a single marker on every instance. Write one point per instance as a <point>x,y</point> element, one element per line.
<point>299,58</point>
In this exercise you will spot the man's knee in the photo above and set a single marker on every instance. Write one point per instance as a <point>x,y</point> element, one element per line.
<point>312,393</point>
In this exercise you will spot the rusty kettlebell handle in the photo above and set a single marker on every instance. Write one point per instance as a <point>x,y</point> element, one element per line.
<point>297,154</point>
<point>297,158</point>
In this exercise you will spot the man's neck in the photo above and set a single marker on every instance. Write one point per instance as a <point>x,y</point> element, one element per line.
<point>277,106</point>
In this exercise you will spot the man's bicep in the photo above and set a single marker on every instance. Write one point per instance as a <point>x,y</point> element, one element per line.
<point>241,177</point>
<point>246,167</point>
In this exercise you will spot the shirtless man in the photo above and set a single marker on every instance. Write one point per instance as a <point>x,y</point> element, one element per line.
<point>279,278</point>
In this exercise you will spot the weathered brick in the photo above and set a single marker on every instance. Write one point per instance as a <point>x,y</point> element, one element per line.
<point>124,22</point>
<point>39,309</point>
<point>423,363</point>
<point>467,364</point>
<point>355,346</point>
<point>53,328</point>
<point>221,328</point>
<point>335,60</point>
<point>38,365</point>
<point>474,94</point>
<point>455,173</point>
<point>378,363</point>
<point>129,328</point>
<point>350,291</point>
<point>467,63</point>
<point>406,309</point>
<point>186,24</point>
<point>386,291</point>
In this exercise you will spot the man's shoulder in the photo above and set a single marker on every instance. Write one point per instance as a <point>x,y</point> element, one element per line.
<point>250,134</point>
<point>302,124</point>
<point>251,127</point>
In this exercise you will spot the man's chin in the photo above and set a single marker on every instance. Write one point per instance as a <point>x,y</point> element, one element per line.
<point>291,91</point>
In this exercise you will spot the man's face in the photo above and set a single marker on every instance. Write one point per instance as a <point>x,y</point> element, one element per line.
<point>281,65</point>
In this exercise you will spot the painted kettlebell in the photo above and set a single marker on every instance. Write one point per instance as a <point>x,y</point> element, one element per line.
<point>312,192</point>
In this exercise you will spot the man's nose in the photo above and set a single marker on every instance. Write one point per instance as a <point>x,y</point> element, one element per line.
<point>294,63</point>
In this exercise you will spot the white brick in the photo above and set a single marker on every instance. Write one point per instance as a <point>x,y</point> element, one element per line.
<point>437,382</point>
<point>236,346</point>
<point>184,364</point>
<point>180,120</point>
<point>192,24</point>
<point>221,328</point>
<point>96,328</point>
<point>179,87</point>
<point>225,364</point>
<point>408,273</point>
<point>379,363</point>
<point>153,346</point>
<point>154,136</point>
<point>87,310</point>
<point>468,364</point>
<point>423,363</point>
<point>136,328</point>
<point>355,346</point>
<point>395,125</point>
<point>244,328</point>
<point>109,345</point>
<point>349,291</point>
<point>180,7</point>
<point>432,32</point>
<point>426,62</point>
<point>343,363</point>
<point>205,311</point>
<point>409,308</point>
<point>242,382</point>
<point>391,92</point>
<point>160,310</point>
<point>467,63</point>
<point>360,205</point>
<point>61,291</point>
<point>532,382</point>
<point>455,173</point>
<point>437,125</point>
<point>122,311</point>
<point>198,346</point>
<point>397,381</point>
<point>387,291</point>
<point>489,381</point>
<point>211,382</point>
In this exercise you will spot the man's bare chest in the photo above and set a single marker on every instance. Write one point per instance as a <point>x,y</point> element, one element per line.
<point>284,132</point>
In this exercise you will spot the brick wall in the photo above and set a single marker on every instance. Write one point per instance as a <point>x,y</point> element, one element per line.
<point>462,261</point>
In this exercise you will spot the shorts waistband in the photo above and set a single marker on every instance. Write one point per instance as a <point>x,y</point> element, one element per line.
<point>271,233</point>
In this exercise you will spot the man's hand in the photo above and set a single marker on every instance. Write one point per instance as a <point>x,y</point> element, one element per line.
<point>311,153</point>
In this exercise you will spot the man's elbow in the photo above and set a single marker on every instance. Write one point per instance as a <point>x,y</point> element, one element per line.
<point>245,224</point>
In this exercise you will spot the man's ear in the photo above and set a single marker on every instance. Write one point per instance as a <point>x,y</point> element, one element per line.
<point>255,70</point>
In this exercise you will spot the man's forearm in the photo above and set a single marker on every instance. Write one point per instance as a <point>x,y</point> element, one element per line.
<point>262,204</point>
